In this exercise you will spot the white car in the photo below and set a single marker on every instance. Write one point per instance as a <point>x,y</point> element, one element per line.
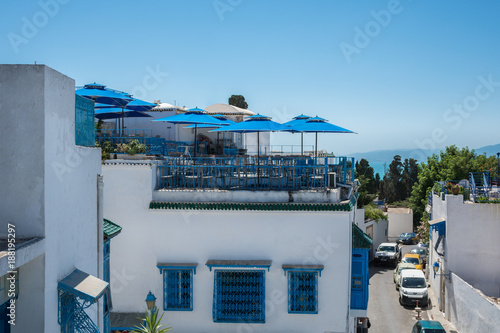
<point>413,288</point>
<point>388,253</point>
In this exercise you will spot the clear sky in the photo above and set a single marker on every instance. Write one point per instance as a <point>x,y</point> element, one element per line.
<point>403,74</point>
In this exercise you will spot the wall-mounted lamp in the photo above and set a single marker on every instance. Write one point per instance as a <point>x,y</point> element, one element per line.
<point>151,301</point>
<point>435,268</point>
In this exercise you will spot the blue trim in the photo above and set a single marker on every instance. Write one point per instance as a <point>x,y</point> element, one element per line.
<point>239,296</point>
<point>176,268</point>
<point>239,266</point>
<point>303,292</point>
<point>439,227</point>
<point>317,270</point>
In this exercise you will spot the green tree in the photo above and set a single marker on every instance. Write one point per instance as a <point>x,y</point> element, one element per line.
<point>450,164</point>
<point>391,186</point>
<point>364,173</point>
<point>238,100</point>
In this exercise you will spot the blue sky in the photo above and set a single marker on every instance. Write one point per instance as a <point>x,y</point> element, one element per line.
<point>403,74</point>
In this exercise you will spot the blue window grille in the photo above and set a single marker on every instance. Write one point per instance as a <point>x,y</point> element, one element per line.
<point>178,290</point>
<point>302,292</point>
<point>84,122</point>
<point>239,296</point>
<point>72,316</point>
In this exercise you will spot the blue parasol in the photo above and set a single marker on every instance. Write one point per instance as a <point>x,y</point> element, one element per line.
<point>253,124</point>
<point>193,116</point>
<point>290,128</point>
<point>319,125</point>
<point>116,113</point>
<point>99,94</point>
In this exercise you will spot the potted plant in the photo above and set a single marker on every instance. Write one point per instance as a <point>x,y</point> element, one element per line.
<point>455,189</point>
<point>134,150</point>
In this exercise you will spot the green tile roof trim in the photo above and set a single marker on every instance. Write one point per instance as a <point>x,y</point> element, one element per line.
<point>111,229</point>
<point>360,240</point>
<point>332,207</point>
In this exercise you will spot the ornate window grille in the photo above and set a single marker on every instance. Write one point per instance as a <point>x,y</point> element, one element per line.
<point>302,292</point>
<point>239,296</point>
<point>178,290</point>
<point>72,316</point>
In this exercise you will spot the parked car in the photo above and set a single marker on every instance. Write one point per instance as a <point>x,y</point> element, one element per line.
<point>413,288</point>
<point>420,244</point>
<point>422,252</point>
<point>428,326</point>
<point>397,272</point>
<point>388,253</point>
<point>408,238</point>
<point>412,258</point>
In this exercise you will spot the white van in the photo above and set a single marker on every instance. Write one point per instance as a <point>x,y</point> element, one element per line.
<point>413,288</point>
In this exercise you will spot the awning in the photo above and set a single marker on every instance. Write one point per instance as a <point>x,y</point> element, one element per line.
<point>239,263</point>
<point>110,229</point>
<point>83,285</point>
<point>439,225</point>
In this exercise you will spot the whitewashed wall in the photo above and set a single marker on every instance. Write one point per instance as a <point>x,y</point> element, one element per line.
<point>400,221</point>
<point>150,237</point>
<point>469,310</point>
<point>379,229</point>
<point>472,237</point>
<point>53,186</point>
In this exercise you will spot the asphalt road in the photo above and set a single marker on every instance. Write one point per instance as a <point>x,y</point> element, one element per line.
<point>385,313</point>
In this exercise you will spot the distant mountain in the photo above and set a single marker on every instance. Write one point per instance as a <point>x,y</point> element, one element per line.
<point>381,156</point>
<point>489,150</point>
<point>386,156</point>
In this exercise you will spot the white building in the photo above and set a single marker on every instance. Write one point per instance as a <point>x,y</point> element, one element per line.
<point>51,204</point>
<point>376,229</point>
<point>234,260</point>
<point>465,250</point>
<point>400,220</point>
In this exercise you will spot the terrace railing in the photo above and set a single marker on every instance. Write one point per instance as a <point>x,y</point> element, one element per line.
<point>250,173</point>
<point>154,145</point>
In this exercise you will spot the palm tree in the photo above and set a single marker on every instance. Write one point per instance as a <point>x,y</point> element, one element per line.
<point>151,323</point>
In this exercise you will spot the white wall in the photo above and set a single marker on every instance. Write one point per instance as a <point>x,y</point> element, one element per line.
<point>150,237</point>
<point>469,310</point>
<point>400,221</point>
<point>472,237</point>
<point>51,183</point>
<point>22,150</point>
<point>379,229</point>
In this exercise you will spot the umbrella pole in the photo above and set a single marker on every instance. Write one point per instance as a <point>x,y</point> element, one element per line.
<point>301,144</point>
<point>123,122</point>
<point>195,139</point>
<point>316,150</point>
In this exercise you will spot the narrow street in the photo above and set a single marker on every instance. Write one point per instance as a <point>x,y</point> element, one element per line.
<point>385,313</point>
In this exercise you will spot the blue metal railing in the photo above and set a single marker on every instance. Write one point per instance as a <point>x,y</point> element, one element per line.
<point>251,173</point>
<point>480,184</point>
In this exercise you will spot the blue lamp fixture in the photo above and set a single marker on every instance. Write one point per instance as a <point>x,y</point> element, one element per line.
<point>151,301</point>
<point>435,268</point>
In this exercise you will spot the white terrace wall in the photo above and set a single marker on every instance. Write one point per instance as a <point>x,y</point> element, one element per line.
<point>150,237</point>
<point>469,310</point>
<point>472,237</point>
<point>377,229</point>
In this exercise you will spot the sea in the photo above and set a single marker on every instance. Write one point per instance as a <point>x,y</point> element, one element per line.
<point>380,168</point>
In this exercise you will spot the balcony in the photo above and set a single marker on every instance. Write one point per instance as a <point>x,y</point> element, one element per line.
<point>270,173</point>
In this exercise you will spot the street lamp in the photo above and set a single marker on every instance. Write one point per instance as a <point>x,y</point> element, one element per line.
<point>435,268</point>
<point>150,301</point>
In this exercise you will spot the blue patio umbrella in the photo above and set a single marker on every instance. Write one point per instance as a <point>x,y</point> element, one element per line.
<point>195,117</point>
<point>99,94</point>
<point>253,124</point>
<point>290,128</point>
<point>140,105</point>
<point>117,113</point>
<point>221,118</point>
<point>319,125</point>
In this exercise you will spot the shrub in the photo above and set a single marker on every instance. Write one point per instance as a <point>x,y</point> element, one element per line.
<point>373,213</point>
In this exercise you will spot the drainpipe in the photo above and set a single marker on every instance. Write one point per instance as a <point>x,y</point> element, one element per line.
<point>100,244</point>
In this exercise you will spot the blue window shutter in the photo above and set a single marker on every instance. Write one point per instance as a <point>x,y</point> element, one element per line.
<point>359,279</point>
<point>178,290</point>
<point>239,296</point>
